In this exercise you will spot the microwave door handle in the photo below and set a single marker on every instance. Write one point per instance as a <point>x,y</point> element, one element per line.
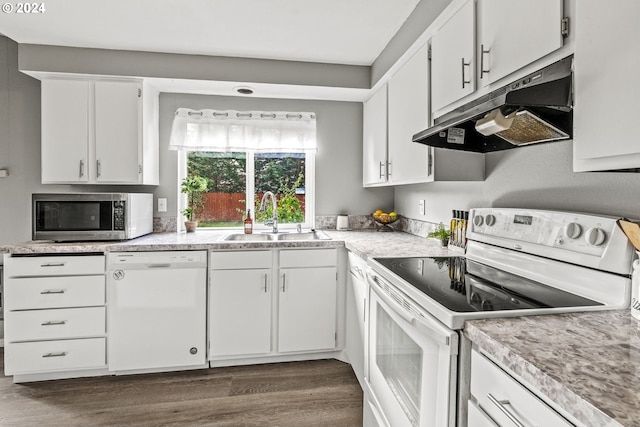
<point>425,324</point>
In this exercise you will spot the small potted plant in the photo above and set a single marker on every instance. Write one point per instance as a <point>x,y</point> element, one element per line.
<point>193,187</point>
<point>442,234</point>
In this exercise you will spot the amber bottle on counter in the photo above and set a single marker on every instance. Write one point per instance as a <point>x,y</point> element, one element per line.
<point>453,227</point>
<point>248,223</point>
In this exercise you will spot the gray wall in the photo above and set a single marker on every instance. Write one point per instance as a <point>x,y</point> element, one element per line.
<point>338,160</point>
<point>538,176</point>
<point>19,144</point>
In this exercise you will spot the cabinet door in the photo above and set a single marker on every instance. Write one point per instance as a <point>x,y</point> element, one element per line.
<point>374,150</point>
<point>65,131</point>
<point>606,59</point>
<point>118,132</point>
<point>239,312</point>
<point>453,60</point>
<point>409,114</point>
<point>307,309</point>
<point>356,316</point>
<point>515,33</point>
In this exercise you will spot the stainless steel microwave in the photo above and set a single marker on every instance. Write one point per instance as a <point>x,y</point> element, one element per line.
<point>91,216</point>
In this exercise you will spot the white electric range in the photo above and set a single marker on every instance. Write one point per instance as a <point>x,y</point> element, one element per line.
<point>517,262</point>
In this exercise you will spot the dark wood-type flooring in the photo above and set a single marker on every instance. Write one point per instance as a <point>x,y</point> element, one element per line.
<point>297,394</point>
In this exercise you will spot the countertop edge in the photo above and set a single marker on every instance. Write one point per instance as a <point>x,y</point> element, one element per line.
<point>556,393</point>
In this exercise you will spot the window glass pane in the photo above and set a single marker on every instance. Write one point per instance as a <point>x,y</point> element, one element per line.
<point>224,203</point>
<point>283,175</point>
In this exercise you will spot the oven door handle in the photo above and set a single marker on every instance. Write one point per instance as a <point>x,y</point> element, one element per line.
<point>425,324</point>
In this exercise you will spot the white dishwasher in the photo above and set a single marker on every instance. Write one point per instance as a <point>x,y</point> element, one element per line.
<point>156,310</point>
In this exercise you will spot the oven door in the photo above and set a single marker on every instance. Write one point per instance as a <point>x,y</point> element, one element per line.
<point>412,364</point>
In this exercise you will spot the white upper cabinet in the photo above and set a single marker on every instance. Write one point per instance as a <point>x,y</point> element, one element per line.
<point>374,150</point>
<point>392,116</point>
<point>65,131</point>
<point>118,132</point>
<point>606,58</point>
<point>409,114</point>
<point>92,132</point>
<point>515,33</point>
<point>453,56</point>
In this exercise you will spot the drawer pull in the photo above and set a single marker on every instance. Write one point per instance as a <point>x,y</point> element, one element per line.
<point>52,291</point>
<point>54,323</point>
<point>501,404</point>
<point>53,264</point>
<point>61,354</point>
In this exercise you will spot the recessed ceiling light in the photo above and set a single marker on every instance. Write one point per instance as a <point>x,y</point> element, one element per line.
<point>244,90</point>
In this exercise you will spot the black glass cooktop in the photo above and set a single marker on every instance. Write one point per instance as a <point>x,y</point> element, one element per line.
<point>462,285</point>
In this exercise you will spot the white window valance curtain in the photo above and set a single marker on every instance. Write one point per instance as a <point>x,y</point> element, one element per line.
<point>230,130</point>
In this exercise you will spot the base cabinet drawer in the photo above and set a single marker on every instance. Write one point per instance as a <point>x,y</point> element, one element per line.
<point>51,356</point>
<point>54,265</point>
<point>504,399</point>
<point>34,325</point>
<point>54,292</point>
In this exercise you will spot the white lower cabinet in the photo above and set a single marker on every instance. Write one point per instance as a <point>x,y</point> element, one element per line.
<point>253,315</point>
<point>356,315</point>
<point>55,316</point>
<point>307,309</point>
<point>499,400</point>
<point>241,298</point>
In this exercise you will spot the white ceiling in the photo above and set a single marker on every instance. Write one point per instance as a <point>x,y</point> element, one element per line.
<point>333,31</point>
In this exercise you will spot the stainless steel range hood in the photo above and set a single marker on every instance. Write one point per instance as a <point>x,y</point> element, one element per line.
<point>536,108</point>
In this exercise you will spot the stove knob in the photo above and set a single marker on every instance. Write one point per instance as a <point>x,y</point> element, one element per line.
<point>595,236</point>
<point>478,220</point>
<point>490,220</point>
<point>573,230</point>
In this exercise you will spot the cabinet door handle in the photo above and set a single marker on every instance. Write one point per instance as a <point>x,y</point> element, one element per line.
<point>284,281</point>
<point>465,64</point>
<point>389,169</point>
<point>381,169</point>
<point>60,354</point>
<point>501,404</point>
<point>54,323</point>
<point>81,168</point>
<point>265,282</point>
<point>52,291</point>
<point>53,264</point>
<point>482,53</point>
<point>98,168</point>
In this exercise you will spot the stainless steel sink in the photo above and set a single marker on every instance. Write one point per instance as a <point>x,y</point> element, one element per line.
<point>305,235</point>
<point>241,237</point>
<point>269,237</point>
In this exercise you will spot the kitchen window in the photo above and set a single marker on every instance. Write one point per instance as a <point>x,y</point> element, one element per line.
<point>242,155</point>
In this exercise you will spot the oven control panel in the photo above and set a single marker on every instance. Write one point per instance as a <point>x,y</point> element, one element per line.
<point>576,232</point>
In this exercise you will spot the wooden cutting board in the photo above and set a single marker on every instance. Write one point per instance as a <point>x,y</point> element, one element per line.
<point>631,230</point>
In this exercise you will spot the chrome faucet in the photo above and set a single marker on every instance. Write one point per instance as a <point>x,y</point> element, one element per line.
<point>274,220</point>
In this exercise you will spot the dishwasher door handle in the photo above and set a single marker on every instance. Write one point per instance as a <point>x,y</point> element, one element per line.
<point>158,265</point>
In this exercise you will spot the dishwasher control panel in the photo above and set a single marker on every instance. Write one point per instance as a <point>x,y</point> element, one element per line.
<point>175,259</point>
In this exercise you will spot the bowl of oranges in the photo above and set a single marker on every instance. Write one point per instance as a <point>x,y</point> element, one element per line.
<point>384,219</point>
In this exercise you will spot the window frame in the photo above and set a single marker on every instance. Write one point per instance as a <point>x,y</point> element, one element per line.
<point>309,177</point>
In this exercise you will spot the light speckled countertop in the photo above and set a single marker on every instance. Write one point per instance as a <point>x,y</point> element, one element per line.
<point>586,363</point>
<point>364,243</point>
